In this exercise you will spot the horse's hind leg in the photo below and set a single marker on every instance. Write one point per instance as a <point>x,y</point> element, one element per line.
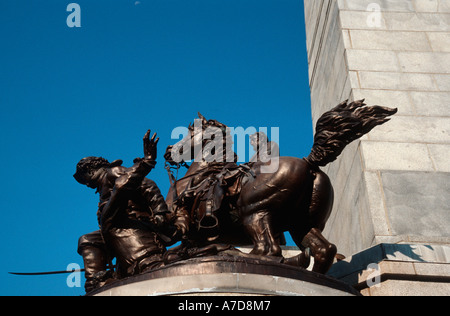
<point>259,227</point>
<point>309,233</point>
<point>321,249</point>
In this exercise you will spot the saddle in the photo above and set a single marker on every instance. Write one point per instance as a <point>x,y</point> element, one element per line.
<point>218,183</point>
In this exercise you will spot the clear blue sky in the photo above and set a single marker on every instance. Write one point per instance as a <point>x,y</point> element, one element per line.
<point>67,93</point>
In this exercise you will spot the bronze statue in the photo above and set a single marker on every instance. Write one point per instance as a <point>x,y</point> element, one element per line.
<point>132,215</point>
<point>218,203</point>
<point>238,202</point>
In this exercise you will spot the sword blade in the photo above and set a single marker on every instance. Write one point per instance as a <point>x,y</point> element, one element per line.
<point>46,273</point>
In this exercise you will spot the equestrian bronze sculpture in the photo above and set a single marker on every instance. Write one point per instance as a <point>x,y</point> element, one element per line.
<point>218,203</point>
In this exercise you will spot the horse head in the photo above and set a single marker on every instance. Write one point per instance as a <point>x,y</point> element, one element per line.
<point>206,140</point>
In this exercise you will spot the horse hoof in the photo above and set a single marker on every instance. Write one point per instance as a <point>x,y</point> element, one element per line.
<point>274,253</point>
<point>257,251</point>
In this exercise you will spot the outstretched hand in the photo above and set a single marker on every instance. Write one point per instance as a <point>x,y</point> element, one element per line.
<point>150,145</point>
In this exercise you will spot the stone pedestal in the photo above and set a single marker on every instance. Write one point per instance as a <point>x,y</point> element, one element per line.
<point>398,270</point>
<point>224,276</point>
<point>392,186</point>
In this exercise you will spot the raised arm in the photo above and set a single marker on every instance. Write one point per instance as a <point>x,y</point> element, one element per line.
<point>131,180</point>
<point>142,166</point>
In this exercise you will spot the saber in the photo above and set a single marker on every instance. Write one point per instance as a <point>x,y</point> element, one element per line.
<point>47,273</point>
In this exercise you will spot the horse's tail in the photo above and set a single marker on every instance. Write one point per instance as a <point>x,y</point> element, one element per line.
<point>343,124</point>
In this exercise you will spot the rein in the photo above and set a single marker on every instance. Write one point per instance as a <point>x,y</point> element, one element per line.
<point>173,180</point>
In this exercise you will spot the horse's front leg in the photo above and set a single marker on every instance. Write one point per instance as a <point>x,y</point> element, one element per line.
<point>259,227</point>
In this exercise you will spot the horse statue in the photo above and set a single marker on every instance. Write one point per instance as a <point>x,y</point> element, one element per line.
<point>242,204</point>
